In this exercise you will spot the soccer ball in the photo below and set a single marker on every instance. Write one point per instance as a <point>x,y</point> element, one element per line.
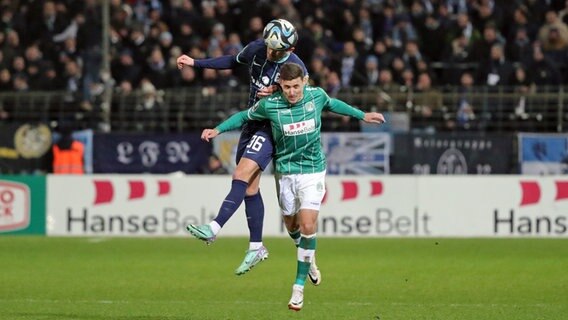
<point>280,34</point>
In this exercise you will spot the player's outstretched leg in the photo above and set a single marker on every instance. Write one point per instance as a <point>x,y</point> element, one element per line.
<point>233,200</point>
<point>255,219</point>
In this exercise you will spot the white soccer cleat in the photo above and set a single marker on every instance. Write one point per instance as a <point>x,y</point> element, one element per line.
<point>297,301</point>
<point>314,274</point>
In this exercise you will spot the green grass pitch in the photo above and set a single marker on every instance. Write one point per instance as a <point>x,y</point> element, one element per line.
<point>181,278</point>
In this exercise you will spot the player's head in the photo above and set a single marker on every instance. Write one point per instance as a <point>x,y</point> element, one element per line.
<point>292,81</point>
<point>280,38</point>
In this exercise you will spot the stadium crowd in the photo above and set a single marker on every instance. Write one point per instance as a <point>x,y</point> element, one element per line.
<point>419,45</point>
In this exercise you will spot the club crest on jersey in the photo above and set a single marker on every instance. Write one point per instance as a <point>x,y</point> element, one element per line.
<point>265,80</point>
<point>298,128</point>
<point>309,106</point>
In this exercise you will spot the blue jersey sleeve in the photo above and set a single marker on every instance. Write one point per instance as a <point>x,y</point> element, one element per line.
<point>224,62</point>
<point>247,54</point>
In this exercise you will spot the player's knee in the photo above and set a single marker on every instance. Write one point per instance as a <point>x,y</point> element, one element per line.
<point>252,190</point>
<point>307,227</point>
<point>244,172</point>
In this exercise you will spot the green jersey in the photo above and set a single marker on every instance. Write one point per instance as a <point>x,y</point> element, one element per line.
<point>296,128</point>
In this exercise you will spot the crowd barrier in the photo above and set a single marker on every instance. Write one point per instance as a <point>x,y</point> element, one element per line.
<point>354,206</point>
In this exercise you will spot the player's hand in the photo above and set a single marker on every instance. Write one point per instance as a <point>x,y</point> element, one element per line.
<point>374,117</point>
<point>265,92</point>
<point>184,60</point>
<point>208,134</point>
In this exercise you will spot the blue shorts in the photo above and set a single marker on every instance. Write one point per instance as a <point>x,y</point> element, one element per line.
<point>256,144</point>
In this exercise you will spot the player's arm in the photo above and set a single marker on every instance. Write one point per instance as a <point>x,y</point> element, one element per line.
<point>236,121</point>
<point>342,108</point>
<point>224,62</point>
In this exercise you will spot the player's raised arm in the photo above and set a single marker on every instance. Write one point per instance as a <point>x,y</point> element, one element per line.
<point>184,60</point>
<point>374,117</point>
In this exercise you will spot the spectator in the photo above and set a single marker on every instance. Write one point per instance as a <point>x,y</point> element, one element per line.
<point>384,56</point>
<point>463,26</point>
<point>333,84</point>
<point>465,114</point>
<point>497,70</point>
<point>554,36</point>
<point>186,37</point>
<point>385,22</point>
<point>542,70</point>
<point>156,69</point>
<point>519,49</point>
<point>346,63</point>
<point>284,9</point>
<point>123,68</point>
<point>412,55</point>
<point>5,80</point>
<point>482,47</point>
<point>427,105</point>
<point>386,81</point>
<point>318,72</point>
<point>370,76</point>
<point>73,83</point>
<point>432,39</point>
<point>403,31</point>
<point>521,21</point>
<point>254,30</point>
<point>20,83</point>
<point>12,47</point>
<point>397,68</point>
<point>18,66</point>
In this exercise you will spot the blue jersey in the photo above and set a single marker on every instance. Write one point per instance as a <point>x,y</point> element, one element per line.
<point>263,73</point>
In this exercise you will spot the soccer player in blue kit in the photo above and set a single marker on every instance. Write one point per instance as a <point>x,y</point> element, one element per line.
<point>264,58</point>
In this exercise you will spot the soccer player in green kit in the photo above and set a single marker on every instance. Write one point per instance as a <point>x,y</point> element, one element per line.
<point>295,116</point>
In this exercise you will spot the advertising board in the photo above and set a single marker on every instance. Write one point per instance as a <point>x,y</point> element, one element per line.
<point>354,206</point>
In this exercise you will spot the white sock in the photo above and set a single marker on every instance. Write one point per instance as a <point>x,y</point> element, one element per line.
<point>215,227</point>
<point>255,245</point>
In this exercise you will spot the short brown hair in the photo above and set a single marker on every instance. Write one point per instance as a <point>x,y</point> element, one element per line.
<point>291,71</point>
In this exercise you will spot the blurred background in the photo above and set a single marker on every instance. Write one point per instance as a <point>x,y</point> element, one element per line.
<point>482,74</point>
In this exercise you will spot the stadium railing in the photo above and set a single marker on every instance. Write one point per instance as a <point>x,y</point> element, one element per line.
<point>491,109</point>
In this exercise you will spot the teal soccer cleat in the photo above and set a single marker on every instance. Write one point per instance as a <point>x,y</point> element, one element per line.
<point>202,232</point>
<point>252,258</point>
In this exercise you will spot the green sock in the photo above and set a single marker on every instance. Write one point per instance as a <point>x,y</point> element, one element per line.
<point>306,253</point>
<point>295,235</point>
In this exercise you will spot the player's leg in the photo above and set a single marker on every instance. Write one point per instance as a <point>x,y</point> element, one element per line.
<point>306,251</point>
<point>293,227</point>
<point>254,209</point>
<point>309,194</point>
<point>256,157</point>
<point>241,177</point>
